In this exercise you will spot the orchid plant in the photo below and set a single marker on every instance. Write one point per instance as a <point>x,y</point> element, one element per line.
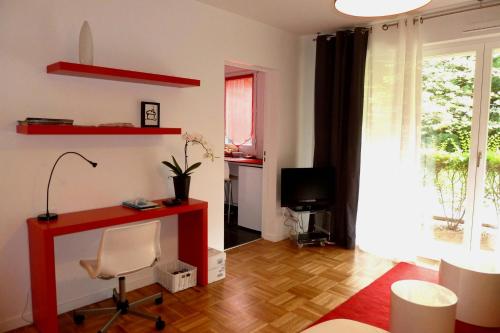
<point>190,139</point>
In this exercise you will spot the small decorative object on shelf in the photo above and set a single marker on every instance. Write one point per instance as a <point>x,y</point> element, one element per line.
<point>150,114</point>
<point>52,216</point>
<point>86,45</point>
<point>182,178</point>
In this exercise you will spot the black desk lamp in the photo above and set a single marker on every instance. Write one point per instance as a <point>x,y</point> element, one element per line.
<point>52,216</point>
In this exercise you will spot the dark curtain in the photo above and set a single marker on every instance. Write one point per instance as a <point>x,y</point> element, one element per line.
<point>338,113</point>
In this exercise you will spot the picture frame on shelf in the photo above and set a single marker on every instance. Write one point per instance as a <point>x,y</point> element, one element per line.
<point>150,114</point>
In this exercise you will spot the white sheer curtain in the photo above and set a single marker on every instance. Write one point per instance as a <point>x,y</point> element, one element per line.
<point>388,213</point>
<point>239,110</point>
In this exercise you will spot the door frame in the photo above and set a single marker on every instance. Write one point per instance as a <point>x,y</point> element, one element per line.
<point>268,82</point>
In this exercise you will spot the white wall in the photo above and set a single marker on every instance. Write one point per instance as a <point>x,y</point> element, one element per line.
<point>176,37</point>
<point>433,31</point>
<point>305,123</point>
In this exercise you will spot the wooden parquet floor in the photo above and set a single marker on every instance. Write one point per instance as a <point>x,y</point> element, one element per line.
<point>269,287</point>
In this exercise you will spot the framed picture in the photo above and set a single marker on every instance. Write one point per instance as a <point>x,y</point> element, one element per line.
<point>150,114</point>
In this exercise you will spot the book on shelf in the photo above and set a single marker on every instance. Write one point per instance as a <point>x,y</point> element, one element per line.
<point>116,125</point>
<point>45,121</point>
<point>140,204</point>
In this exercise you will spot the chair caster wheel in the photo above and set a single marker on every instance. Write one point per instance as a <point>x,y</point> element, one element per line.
<point>160,324</point>
<point>78,318</point>
<point>159,300</point>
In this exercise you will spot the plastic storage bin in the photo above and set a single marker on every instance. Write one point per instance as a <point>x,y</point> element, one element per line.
<point>176,276</point>
<point>216,274</point>
<point>216,265</point>
<point>216,258</point>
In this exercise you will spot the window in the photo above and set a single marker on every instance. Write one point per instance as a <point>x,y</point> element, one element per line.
<point>460,146</point>
<point>239,116</point>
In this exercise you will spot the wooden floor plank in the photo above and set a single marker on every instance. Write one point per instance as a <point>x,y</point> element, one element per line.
<point>269,288</point>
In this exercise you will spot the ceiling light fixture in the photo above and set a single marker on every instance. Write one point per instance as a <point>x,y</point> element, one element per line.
<point>375,8</point>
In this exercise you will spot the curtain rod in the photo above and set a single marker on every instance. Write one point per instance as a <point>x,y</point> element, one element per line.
<point>445,13</point>
<point>460,10</point>
<point>328,36</point>
<point>321,34</point>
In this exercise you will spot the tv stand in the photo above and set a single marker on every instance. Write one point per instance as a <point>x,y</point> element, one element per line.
<point>308,209</point>
<point>312,238</point>
<point>320,235</point>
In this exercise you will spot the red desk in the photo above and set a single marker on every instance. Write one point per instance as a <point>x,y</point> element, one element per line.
<point>193,247</point>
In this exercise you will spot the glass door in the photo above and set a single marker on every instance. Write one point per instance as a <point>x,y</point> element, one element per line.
<point>450,108</point>
<point>460,150</point>
<point>487,197</point>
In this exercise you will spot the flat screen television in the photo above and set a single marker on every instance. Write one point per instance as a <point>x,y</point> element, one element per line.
<point>307,188</point>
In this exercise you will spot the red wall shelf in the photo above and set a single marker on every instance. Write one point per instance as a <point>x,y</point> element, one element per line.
<point>93,130</point>
<point>107,73</point>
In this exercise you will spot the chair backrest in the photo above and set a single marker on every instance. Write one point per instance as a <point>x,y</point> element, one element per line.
<point>128,249</point>
<point>226,171</point>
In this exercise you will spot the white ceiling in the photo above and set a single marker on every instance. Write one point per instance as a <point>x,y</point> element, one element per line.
<point>306,16</point>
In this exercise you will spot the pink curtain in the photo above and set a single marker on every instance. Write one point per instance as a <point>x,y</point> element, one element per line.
<point>239,110</point>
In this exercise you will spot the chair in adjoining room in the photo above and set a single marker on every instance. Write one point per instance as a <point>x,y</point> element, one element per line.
<point>228,190</point>
<point>122,251</point>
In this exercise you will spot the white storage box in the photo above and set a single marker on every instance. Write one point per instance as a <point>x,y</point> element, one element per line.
<point>216,258</point>
<point>217,273</point>
<point>176,276</point>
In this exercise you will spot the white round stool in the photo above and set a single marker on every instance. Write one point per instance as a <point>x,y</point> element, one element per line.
<point>343,326</point>
<point>420,306</point>
<point>476,281</point>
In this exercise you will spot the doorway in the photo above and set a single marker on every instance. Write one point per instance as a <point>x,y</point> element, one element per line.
<point>460,148</point>
<point>243,155</point>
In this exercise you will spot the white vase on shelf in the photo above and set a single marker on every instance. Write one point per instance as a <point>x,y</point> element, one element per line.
<point>86,45</point>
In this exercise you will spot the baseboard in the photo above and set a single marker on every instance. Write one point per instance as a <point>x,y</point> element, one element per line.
<point>15,322</point>
<point>97,296</point>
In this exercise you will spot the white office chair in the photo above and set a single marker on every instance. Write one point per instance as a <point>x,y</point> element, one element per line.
<point>122,251</point>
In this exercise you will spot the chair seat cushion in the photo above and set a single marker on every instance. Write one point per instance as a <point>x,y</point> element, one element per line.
<point>125,250</point>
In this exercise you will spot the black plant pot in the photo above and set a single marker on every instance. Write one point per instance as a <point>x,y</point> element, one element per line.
<point>181,187</point>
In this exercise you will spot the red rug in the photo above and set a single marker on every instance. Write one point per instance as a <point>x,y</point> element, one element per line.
<point>371,305</point>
